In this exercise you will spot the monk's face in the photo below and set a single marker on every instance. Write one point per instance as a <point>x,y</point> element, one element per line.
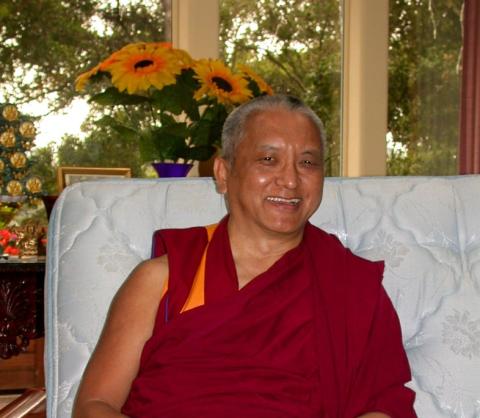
<point>275,182</point>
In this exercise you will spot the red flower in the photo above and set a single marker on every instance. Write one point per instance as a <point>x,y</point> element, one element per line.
<point>8,242</point>
<point>5,234</point>
<point>11,250</point>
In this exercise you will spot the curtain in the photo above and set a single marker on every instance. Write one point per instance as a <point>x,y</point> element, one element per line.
<point>470,100</point>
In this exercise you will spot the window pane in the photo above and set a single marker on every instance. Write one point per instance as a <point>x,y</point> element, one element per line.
<point>296,46</point>
<point>424,87</point>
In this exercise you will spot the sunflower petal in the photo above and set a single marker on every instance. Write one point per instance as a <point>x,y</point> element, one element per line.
<point>218,82</point>
<point>259,81</point>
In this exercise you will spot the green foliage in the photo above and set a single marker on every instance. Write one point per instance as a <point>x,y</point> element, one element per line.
<point>7,212</point>
<point>102,148</point>
<point>112,97</point>
<point>45,167</point>
<point>45,44</point>
<point>178,97</point>
<point>208,130</point>
<point>424,85</point>
<point>296,46</point>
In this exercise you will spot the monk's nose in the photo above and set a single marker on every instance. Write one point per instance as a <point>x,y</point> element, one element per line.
<point>288,176</point>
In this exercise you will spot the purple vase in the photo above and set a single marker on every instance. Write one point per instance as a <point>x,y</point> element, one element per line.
<point>172,169</point>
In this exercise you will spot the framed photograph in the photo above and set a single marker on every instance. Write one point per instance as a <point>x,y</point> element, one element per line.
<point>70,175</point>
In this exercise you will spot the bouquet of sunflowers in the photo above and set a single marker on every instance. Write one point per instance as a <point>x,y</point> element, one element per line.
<point>178,105</point>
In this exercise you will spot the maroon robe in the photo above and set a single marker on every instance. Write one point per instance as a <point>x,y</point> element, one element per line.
<point>313,336</point>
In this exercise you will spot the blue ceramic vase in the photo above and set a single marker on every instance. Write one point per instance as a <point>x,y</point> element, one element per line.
<point>165,170</point>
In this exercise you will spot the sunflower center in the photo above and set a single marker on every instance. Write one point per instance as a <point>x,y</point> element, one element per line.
<point>223,84</point>
<point>143,64</point>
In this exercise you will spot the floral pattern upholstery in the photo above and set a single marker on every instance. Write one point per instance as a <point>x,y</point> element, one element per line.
<point>427,230</point>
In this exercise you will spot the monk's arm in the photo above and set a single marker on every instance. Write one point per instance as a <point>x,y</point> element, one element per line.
<point>374,415</point>
<point>115,361</point>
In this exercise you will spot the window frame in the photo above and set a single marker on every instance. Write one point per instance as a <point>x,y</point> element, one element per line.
<point>195,28</point>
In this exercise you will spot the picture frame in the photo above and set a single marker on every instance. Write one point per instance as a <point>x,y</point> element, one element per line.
<point>70,175</point>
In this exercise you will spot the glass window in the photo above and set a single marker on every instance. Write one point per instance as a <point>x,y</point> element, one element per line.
<point>296,46</point>
<point>52,43</point>
<point>424,87</point>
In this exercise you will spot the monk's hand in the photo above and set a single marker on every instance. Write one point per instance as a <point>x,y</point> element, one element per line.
<point>374,415</point>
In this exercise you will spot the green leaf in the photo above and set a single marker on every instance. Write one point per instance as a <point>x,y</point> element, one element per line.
<point>171,148</point>
<point>177,98</point>
<point>159,146</point>
<point>178,130</point>
<point>201,153</point>
<point>112,97</point>
<point>107,121</point>
<point>168,99</point>
<point>126,132</point>
<point>148,151</point>
<point>200,132</point>
<point>167,119</point>
<point>208,130</point>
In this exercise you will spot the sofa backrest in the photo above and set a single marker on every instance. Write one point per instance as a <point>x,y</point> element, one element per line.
<point>427,229</point>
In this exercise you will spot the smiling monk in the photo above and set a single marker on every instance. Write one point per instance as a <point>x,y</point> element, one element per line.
<point>262,315</point>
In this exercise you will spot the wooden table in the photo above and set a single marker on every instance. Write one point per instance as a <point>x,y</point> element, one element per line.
<point>21,304</point>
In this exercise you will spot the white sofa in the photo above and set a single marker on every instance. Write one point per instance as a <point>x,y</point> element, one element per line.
<point>427,229</point>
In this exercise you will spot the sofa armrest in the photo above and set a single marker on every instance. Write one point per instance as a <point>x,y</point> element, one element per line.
<point>32,401</point>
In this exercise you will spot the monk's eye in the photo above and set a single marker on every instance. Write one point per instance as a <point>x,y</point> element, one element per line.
<point>309,163</point>
<point>267,159</point>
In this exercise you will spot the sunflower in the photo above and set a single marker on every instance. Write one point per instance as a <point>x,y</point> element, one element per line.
<point>184,59</point>
<point>166,45</point>
<point>83,78</point>
<point>137,67</point>
<point>219,82</point>
<point>261,83</point>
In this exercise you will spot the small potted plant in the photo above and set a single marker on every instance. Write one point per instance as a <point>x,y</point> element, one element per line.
<point>174,105</point>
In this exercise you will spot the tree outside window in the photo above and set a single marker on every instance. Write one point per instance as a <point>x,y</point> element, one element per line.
<point>424,87</point>
<point>296,46</point>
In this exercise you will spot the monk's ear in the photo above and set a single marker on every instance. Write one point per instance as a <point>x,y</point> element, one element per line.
<point>221,170</point>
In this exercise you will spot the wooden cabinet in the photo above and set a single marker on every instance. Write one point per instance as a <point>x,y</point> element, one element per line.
<point>24,370</point>
<point>21,324</point>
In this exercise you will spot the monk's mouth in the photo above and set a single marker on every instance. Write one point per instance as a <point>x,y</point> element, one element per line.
<point>292,201</point>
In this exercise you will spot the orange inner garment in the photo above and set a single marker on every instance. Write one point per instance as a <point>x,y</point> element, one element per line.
<point>196,297</point>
